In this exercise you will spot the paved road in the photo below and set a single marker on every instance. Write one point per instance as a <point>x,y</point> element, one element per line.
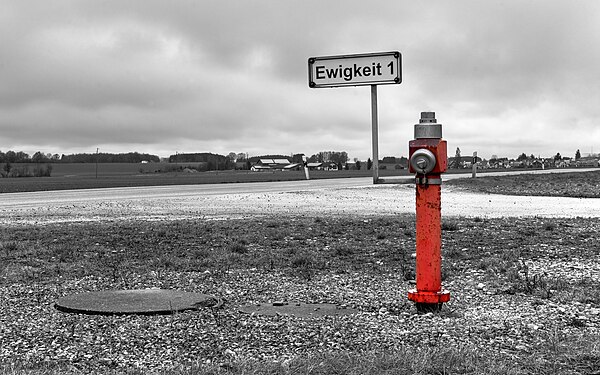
<point>35,199</point>
<point>315,197</point>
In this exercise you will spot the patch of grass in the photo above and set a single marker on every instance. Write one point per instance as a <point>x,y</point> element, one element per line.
<point>305,264</point>
<point>449,225</point>
<point>523,281</point>
<point>343,250</point>
<point>571,184</point>
<point>238,247</point>
<point>9,248</point>
<point>584,291</point>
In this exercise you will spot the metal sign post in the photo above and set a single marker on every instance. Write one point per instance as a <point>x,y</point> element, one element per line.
<point>375,135</point>
<point>305,167</point>
<point>358,70</point>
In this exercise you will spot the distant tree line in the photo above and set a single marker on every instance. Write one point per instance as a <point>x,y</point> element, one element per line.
<point>209,161</point>
<point>39,170</point>
<point>103,157</point>
<point>26,170</point>
<point>340,157</point>
<point>20,157</point>
<point>39,157</point>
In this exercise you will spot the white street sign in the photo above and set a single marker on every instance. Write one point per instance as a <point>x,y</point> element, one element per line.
<point>355,70</point>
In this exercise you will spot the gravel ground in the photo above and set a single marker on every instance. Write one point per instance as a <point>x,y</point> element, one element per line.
<point>486,314</point>
<point>479,319</point>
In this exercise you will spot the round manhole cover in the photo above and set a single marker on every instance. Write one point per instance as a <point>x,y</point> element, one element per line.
<point>135,301</point>
<point>296,309</point>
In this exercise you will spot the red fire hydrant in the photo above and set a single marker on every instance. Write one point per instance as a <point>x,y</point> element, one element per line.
<point>428,160</point>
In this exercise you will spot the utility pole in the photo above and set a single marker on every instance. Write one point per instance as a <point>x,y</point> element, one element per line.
<point>97,149</point>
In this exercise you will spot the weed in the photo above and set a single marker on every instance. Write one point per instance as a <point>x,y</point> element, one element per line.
<point>238,247</point>
<point>266,260</point>
<point>487,263</point>
<point>449,225</point>
<point>526,233</point>
<point>523,281</point>
<point>407,265</point>
<point>9,248</point>
<point>577,322</point>
<point>277,233</point>
<point>342,251</point>
<point>64,253</point>
<point>532,283</point>
<point>454,252</point>
<point>116,263</point>
<point>227,261</point>
<point>305,264</point>
<point>584,291</point>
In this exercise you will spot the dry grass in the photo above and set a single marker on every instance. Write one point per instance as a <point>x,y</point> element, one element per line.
<point>574,184</point>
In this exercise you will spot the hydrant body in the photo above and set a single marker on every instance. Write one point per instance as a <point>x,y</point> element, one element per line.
<point>428,160</point>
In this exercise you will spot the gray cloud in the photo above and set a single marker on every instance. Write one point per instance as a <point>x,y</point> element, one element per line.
<point>504,78</point>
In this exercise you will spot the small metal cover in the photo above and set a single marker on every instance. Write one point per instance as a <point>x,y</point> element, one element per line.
<point>428,130</point>
<point>134,301</point>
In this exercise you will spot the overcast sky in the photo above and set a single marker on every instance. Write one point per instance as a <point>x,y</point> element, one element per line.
<point>504,77</point>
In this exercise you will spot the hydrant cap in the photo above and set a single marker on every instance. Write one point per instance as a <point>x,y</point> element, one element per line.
<point>428,126</point>
<point>422,161</point>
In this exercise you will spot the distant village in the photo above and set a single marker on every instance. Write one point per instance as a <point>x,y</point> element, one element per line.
<point>455,162</point>
<point>524,161</point>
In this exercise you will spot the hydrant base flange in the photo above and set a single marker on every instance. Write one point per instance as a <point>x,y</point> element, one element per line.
<point>429,297</point>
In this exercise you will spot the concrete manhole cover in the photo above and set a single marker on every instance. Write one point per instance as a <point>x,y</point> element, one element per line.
<point>297,309</point>
<point>135,301</point>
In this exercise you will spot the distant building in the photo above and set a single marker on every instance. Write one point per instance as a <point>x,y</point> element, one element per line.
<point>271,165</point>
<point>587,162</point>
<point>564,163</point>
<point>464,162</point>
